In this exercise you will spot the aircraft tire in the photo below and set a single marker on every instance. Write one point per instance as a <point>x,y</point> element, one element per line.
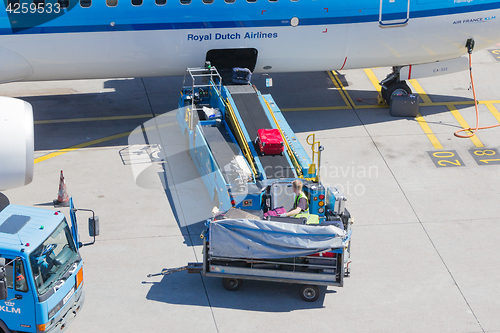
<point>400,87</point>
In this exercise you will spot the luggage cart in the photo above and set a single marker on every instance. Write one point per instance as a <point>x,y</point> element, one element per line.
<point>326,268</point>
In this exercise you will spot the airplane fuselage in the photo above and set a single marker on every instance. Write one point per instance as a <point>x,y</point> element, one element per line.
<point>287,36</point>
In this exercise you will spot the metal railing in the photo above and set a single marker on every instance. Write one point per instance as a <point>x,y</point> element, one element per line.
<point>240,137</point>
<point>290,151</point>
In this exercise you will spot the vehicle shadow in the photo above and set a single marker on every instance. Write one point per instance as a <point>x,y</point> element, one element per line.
<point>192,289</point>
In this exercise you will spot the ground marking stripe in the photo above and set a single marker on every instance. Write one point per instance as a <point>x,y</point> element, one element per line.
<point>340,88</point>
<point>320,108</point>
<point>427,130</point>
<point>76,120</point>
<point>475,140</point>
<point>493,110</point>
<point>421,121</point>
<point>95,142</point>
<point>81,145</point>
<point>347,107</point>
<point>420,91</point>
<point>344,90</point>
<point>371,76</point>
<point>370,106</point>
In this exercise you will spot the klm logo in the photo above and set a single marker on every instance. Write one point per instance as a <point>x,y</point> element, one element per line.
<point>8,307</point>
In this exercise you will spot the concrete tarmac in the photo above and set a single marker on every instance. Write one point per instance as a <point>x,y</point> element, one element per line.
<point>425,236</point>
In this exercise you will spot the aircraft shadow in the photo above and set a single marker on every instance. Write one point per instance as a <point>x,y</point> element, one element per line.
<point>153,96</point>
<point>119,98</point>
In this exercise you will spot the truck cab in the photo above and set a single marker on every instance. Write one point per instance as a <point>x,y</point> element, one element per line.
<point>42,284</point>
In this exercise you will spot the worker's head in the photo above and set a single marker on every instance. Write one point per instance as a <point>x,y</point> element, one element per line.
<point>297,186</point>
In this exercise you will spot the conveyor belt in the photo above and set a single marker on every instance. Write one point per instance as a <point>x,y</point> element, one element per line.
<point>223,149</point>
<point>254,118</point>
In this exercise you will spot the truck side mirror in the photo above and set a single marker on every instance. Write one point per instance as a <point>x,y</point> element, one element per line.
<point>94,226</point>
<point>3,283</point>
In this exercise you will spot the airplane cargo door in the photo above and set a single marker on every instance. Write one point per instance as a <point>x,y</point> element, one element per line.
<point>394,13</point>
<point>226,59</point>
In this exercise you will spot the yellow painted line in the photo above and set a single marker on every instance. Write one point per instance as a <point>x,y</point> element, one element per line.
<point>493,102</point>
<point>393,50</point>
<point>420,91</point>
<point>459,103</point>
<point>93,142</point>
<point>493,111</point>
<point>446,103</point>
<point>81,145</point>
<point>464,124</point>
<point>427,130</point>
<point>340,88</point>
<point>371,106</point>
<point>319,108</point>
<point>343,89</point>
<point>77,120</point>
<point>428,50</point>
<point>346,107</point>
<point>373,78</point>
<point>488,41</point>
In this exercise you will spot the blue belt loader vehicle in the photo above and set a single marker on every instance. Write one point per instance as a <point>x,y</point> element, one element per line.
<point>41,270</point>
<point>220,123</point>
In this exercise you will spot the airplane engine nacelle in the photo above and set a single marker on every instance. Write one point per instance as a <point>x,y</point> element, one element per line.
<point>16,143</point>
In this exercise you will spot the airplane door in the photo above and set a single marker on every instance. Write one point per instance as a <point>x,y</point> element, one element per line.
<point>394,13</point>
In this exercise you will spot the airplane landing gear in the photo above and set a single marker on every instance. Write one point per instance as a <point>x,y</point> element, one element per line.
<point>391,85</point>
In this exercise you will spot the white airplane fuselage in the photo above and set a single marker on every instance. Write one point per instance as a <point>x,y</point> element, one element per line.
<point>288,36</point>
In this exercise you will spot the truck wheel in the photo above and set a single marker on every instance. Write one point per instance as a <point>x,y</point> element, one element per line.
<point>309,293</point>
<point>231,284</point>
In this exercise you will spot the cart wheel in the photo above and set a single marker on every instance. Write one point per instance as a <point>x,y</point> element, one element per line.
<point>309,293</point>
<point>232,284</point>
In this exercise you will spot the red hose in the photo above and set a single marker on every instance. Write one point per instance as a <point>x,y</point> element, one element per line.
<point>477,111</point>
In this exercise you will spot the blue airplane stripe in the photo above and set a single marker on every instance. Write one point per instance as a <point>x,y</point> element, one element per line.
<point>454,10</point>
<point>42,29</point>
<point>188,25</point>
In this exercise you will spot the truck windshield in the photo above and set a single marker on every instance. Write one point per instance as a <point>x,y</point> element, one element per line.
<point>52,258</point>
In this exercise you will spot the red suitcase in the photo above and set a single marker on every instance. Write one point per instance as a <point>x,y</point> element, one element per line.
<point>270,142</point>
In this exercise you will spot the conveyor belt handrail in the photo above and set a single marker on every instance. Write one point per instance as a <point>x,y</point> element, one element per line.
<point>240,137</point>
<point>291,153</point>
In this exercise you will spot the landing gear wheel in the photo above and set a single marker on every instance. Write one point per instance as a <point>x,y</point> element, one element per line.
<point>232,284</point>
<point>309,293</point>
<point>400,87</point>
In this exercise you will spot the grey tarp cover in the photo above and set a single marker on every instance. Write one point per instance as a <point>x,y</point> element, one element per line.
<point>243,238</point>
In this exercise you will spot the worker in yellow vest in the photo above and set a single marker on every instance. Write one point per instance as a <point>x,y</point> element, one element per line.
<point>301,204</point>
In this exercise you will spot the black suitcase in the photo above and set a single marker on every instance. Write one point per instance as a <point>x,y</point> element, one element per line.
<point>404,105</point>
